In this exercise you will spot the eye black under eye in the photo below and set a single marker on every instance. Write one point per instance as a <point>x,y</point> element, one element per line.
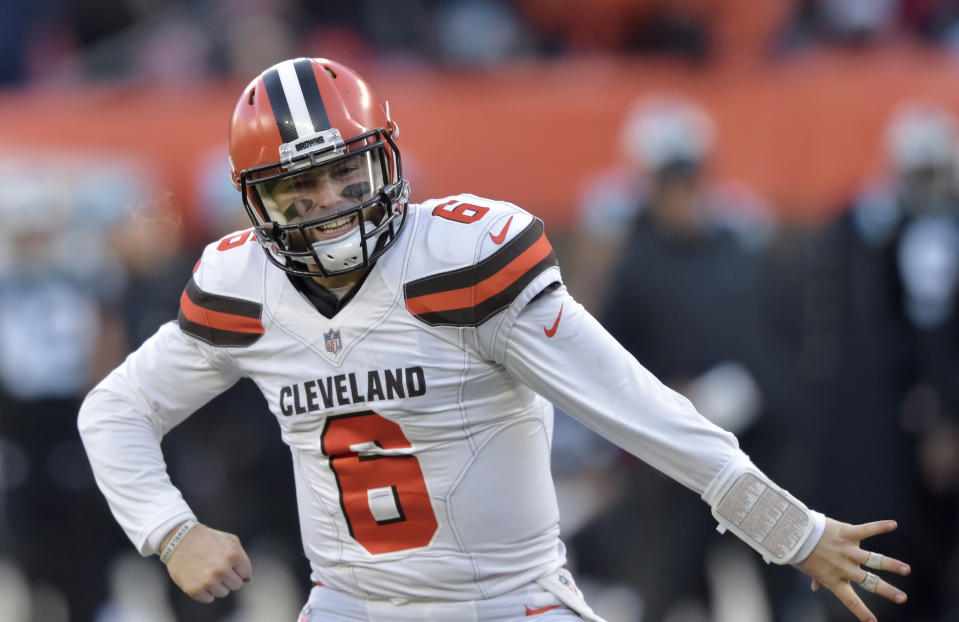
<point>290,213</point>
<point>358,190</point>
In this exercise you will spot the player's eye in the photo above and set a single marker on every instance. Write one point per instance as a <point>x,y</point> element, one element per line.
<point>298,209</point>
<point>305,184</point>
<point>343,170</point>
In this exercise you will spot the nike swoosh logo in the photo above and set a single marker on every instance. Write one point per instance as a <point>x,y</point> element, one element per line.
<point>498,239</point>
<point>549,332</point>
<point>534,612</point>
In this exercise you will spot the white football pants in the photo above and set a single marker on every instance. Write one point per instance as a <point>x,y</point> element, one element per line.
<point>532,603</point>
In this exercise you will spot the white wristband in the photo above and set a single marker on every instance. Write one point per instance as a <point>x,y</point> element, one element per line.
<point>176,539</point>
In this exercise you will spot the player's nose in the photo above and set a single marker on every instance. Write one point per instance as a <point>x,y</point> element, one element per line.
<point>327,196</point>
<point>304,208</point>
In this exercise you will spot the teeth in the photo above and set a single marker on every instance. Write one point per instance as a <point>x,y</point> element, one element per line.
<point>337,225</point>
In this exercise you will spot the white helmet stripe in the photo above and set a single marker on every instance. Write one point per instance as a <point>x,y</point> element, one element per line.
<point>294,98</point>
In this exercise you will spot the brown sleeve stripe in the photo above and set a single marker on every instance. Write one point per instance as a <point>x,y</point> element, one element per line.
<point>468,297</point>
<point>219,320</point>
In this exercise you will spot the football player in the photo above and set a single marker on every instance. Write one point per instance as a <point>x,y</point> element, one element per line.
<point>411,354</point>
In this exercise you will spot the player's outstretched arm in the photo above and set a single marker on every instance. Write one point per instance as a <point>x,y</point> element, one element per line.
<point>837,563</point>
<point>208,563</point>
<point>557,349</point>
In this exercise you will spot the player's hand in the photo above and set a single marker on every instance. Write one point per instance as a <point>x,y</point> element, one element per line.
<point>836,563</point>
<point>209,564</point>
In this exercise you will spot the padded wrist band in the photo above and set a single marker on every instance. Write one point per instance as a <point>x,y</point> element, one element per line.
<point>176,539</point>
<point>765,516</point>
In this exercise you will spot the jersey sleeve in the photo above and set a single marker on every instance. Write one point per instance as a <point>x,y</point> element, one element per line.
<point>481,262</point>
<point>560,351</point>
<point>220,305</point>
<point>123,419</point>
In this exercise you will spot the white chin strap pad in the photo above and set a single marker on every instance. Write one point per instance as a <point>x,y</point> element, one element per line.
<point>766,517</point>
<point>342,252</point>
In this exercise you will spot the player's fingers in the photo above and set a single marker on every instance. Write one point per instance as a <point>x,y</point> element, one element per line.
<point>871,582</point>
<point>219,590</point>
<point>868,530</point>
<point>815,585</point>
<point>878,561</point>
<point>891,592</point>
<point>232,580</point>
<point>852,602</point>
<point>242,566</point>
<point>206,596</point>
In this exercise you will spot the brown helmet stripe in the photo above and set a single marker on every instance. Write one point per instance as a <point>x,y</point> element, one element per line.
<point>311,94</point>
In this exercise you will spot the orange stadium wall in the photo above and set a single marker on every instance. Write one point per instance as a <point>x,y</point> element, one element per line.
<point>802,132</point>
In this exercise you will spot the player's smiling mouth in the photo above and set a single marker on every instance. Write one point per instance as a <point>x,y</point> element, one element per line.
<point>337,227</point>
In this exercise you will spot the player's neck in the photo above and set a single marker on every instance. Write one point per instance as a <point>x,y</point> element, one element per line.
<point>341,281</point>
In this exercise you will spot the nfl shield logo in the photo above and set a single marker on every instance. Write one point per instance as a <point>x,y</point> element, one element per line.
<point>332,339</point>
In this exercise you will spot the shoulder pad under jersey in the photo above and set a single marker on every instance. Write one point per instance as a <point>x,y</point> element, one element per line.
<point>471,258</point>
<point>222,302</point>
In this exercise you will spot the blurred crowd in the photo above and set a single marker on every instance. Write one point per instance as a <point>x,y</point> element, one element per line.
<point>831,350</point>
<point>182,41</point>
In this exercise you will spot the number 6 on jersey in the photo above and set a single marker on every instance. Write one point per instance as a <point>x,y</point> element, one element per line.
<point>382,492</point>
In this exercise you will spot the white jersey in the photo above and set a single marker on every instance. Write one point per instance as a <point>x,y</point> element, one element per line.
<point>419,435</point>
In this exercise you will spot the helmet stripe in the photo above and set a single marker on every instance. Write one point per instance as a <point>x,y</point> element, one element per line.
<point>281,110</point>
<point>311,94</point>
<point>294,98</point>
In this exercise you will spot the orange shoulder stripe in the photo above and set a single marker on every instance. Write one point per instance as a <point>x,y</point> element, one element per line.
<point>466,297</point>
<point>218,319</point>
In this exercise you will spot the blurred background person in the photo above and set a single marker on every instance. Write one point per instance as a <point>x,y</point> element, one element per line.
<point>684,293</point>
<point>57,331</point>
<point>665,140</point>
<point>137,592</point>
<point>15,603</point>
<point>880,352</point>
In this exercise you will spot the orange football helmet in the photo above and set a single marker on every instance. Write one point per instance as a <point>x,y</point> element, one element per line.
<point>313,155</point>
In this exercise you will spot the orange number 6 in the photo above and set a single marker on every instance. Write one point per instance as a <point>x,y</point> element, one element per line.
<point>462,212</point>
<point>384,497</point>
<point>237,239</point>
